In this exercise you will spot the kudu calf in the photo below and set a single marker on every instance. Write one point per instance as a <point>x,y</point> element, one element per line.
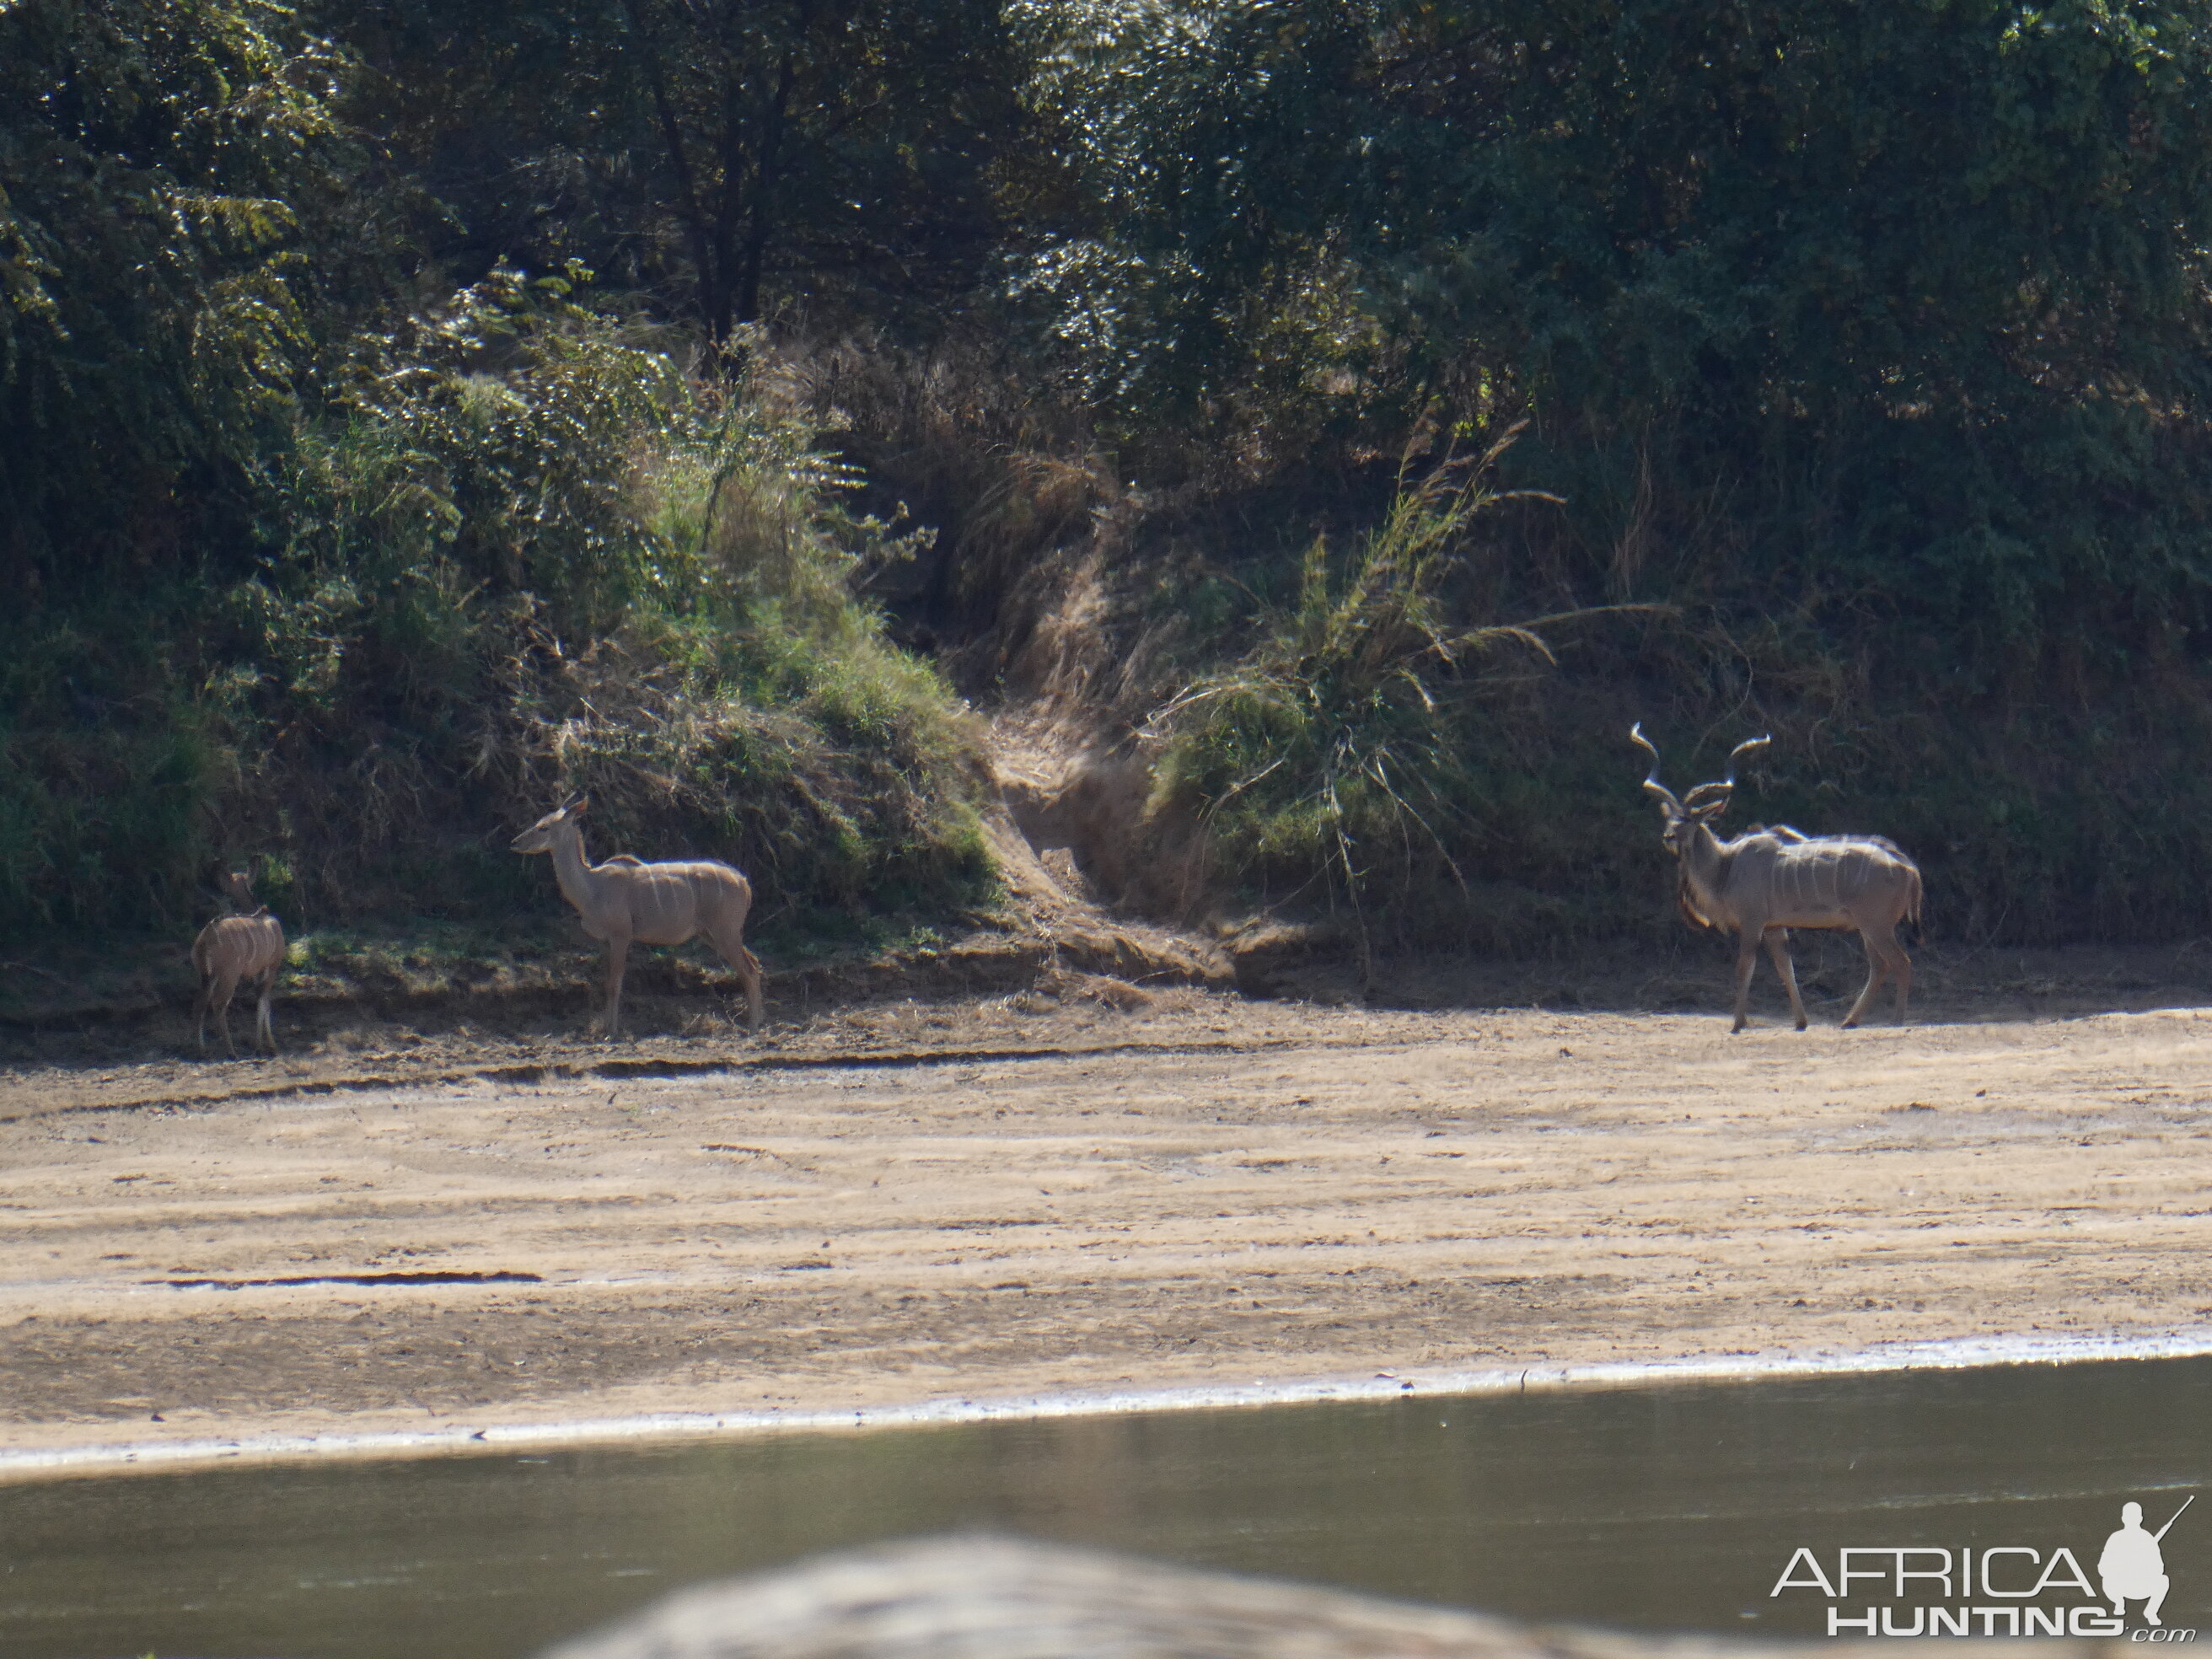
<point>1767,881</point>
<point>249,947</point>
<point>626,899</point>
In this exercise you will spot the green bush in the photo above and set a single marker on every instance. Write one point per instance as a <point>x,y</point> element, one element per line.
<point>518,554</point>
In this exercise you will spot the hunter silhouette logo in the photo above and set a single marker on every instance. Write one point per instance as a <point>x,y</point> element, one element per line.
<point>1997,1589</point>
<point>2132,1564</point>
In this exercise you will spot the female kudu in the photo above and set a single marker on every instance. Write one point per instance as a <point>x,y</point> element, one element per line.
<point>627,899</point>
<point>247,947</point>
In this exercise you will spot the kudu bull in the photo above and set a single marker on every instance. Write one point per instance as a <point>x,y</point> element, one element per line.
<point>248,947</point>
<point>626,899</point>
<point>1769,880</point>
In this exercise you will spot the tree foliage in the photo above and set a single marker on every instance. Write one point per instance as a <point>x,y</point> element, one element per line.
<point>314,560</point>
<point>170,175</point>
<point>1919,291</point>
<point>727,157</point>
<point>386,417</point>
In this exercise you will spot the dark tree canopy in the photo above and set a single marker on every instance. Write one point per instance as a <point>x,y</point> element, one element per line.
<point>1922,289</point>
<point>724,156</point>
<point>170,178</point>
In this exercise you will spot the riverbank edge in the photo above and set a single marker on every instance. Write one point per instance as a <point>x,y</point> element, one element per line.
<point>485,1438</point>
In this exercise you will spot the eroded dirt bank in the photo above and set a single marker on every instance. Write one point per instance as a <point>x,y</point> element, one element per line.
<point>1202,1190</point>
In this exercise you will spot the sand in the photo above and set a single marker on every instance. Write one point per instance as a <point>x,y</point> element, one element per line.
<point>1001,1197</point>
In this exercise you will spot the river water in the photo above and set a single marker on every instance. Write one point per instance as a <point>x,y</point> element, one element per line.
<point>1675,1507</point>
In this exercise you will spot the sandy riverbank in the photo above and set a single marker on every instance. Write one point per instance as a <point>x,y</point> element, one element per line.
<point>1201,1192</point>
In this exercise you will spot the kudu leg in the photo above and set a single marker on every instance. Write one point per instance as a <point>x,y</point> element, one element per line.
<point>1876,968</point>
<point>224,986</point>
<point>1778,946</point>
<point>746,966</point>
<point>264,1029</point>
<point>753,999</point>
<point>1746,957</point>
<point>617,962</point>
<point>1901,969</point>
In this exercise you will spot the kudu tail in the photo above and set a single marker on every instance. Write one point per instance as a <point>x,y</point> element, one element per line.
<point>1914,935</point>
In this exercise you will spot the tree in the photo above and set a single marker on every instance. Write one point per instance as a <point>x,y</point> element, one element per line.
<point>1920,291</point>
<point>166,171</point>
<point>721,155</point>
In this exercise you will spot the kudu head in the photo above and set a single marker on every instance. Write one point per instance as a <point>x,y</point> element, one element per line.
<point>239,885</point>
<point>539,838</point>
<point>1681,817</point>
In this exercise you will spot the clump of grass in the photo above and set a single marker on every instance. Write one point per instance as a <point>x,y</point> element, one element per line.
<point>1331,762</point>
